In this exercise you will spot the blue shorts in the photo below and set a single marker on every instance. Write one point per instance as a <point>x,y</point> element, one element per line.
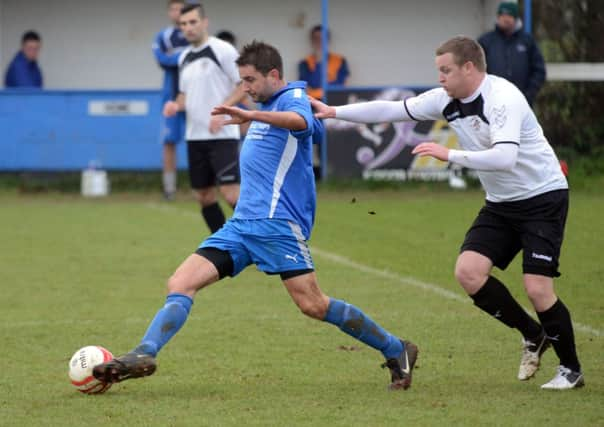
<point>173,129</point>
<point>274,245</point>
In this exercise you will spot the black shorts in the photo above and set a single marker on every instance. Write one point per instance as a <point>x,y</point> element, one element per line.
<point>213,162</point>
<point>535,225</point>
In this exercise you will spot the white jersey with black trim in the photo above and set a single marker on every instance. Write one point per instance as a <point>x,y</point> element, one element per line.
<point>208,75</point>
<point>497,113</point>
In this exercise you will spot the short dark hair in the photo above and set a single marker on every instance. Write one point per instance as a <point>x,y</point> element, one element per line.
<point>227,36</point>
<point>319,28</point>
<point>171,2</point>
<point>464,49</point>
<point>29,36</point>
<point>262,56</point>
<point>192,6</point>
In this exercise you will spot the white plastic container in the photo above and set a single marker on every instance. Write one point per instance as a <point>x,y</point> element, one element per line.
<point>95,183</point>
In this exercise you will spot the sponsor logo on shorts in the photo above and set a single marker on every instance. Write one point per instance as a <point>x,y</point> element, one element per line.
<point>541,256</point>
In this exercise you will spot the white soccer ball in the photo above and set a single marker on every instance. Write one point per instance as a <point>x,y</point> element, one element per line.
<point>80,369</point>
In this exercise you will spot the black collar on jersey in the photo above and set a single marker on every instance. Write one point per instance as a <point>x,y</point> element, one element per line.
<point>206,52</point>
<point>457,109</point>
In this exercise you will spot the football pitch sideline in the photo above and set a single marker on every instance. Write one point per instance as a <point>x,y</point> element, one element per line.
<point>78,272</point>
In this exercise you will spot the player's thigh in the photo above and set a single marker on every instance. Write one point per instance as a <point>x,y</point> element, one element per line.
<point>227,241</point>
<point>201,174</point>
<point>305,292</point>
<point>172,129</point>
<point>230,192</point>
<point>494,237</point>
<point>225,161</point>
<point>543,233</point>
<point>193,274</point>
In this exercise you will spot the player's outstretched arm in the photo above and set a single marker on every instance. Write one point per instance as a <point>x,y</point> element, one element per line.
<point>363,112</point>
<point>501,156</point>
<point>282,119</point>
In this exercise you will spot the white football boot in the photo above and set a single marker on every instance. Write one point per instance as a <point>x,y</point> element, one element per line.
<point>565,379</point>
<point>531,356</point>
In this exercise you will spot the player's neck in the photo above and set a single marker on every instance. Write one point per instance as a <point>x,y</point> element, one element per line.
<point>474,86</point>
<point>203,40</point>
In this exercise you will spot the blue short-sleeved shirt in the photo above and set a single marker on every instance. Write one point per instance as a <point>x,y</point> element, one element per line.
<point>277,179</point>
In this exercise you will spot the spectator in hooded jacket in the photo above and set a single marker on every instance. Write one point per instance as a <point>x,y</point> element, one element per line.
<point>512,53</point>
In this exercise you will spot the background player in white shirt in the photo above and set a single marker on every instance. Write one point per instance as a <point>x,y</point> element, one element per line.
<point>208,77</point>
<point>526,196</point>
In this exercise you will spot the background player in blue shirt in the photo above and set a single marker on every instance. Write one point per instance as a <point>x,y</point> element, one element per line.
<point>270,227</point>
<point>23,71</point>
<point>167,46</point>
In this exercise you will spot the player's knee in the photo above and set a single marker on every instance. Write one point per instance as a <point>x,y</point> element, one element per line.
<point>469,277</point>
<point>206,197</point>
<point>316,309</point>
<point>177,284</point>
<point>537,293</point>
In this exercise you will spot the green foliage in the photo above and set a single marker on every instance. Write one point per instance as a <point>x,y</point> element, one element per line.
<point>571,112</point>
<point>77,272</point>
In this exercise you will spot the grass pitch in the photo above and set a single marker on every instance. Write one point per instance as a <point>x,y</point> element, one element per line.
<point>76,272</point>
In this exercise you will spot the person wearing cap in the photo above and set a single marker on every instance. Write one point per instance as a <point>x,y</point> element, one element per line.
<point>512,53</point>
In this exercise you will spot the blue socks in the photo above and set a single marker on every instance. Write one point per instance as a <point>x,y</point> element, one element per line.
<point>165,324</point>
<point>355,323</point>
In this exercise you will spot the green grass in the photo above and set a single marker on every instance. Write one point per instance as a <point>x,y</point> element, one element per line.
<point>76,272</point>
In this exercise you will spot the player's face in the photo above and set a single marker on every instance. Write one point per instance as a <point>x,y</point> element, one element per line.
<point>31,49</point>
<point>194,27</point>
<point>451,76</point>
<point>174,12</point>
<point>256,85</point>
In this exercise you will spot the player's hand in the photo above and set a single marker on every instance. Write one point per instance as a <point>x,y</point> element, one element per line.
<point>322,111</point>
<point>432,149</point>
<point>216,123</point>
<point>170,109</point>
<point>238,115</point>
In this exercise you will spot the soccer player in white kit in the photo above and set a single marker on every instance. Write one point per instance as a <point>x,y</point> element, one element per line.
<point>208,76</point>
<point>526,196</point>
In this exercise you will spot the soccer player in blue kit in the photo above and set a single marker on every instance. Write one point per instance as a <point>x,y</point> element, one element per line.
<point>270,227</point>
<point>167,47</point>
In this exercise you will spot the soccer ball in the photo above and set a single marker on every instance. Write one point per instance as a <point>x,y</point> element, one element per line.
<point>80,369</point>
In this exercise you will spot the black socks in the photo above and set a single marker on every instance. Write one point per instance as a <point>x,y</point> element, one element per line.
<point>214,216</point>
<point>495,299</point>
<point>559,329</point>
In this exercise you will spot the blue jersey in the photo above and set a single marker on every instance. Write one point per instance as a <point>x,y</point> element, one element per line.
<point>277,179</point>
<point>167,46</point>
<point>23,73</point>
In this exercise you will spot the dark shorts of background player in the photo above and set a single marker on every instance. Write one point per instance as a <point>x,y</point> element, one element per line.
<point>535,225</point>
<point>213,162</point>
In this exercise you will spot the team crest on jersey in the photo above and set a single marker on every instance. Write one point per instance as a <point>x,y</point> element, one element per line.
<point>500,116</point>
<point>476,124</point>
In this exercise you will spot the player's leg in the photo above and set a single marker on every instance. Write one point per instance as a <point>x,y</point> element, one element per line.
<point>219,256</point>
<point>193,274</point>
<point>400,355</point>
<point>169,170</point>
<point>173,128</point>
<point>203,183</point>
<point>556,320</point>
<point>225,161</point>
<point>540,265</point>
<point>490,241</point>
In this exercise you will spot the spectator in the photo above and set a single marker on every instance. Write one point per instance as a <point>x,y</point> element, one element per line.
<point>23,71</point>
<point>513,54</point>
<point>310,68</point>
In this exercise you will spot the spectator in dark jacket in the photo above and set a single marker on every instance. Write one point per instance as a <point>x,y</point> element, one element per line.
<point>23,71</point>
<point>513,54</point>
